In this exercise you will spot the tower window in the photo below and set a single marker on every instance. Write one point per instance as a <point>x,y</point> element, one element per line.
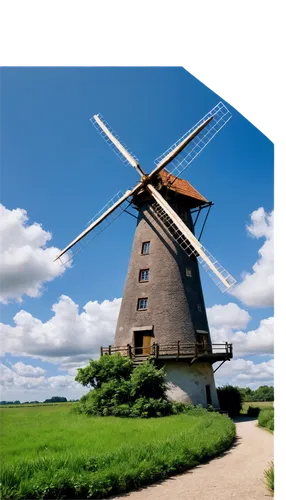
<point>142,304</point>
<point>188,272</point>
<point>199,308</point>
<point>145,248</point>
<point>144,275</point>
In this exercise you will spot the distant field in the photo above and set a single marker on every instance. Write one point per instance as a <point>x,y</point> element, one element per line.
<point>256,404</point>
<point>29,405</point>
<point>51,452</point>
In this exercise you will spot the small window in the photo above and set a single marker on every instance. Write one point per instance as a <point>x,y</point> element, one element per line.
<point>199,308</point>
<point>188,272</point>
<point>146,248</point>
<point>142,304</point>
<point>144,275</point>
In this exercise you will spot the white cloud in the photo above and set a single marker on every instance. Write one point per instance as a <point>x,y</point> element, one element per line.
<point>245,373</point>
<point>26,263</point>
<point>69,337</point>
<point>229,315</point>
<point>225,323</point>
<point>28,370</point>
<point>257,288</point>
<point>25,386</point>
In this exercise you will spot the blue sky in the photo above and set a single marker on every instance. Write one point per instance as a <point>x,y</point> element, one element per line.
<point>55,166</point>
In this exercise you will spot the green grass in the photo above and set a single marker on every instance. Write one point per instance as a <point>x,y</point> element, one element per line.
<point>50,452</point>
<point>256,404</point>
<point>269,477</point>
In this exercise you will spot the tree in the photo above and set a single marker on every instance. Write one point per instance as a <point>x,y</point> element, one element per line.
<point>56,399</point>
<point>264,393</point>
<point>230,399</point>
<point>119,389</point>
<point>104,369</point>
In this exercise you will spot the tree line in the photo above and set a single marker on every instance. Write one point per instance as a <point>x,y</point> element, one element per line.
<point>263,393</point>
<point>54,399</point>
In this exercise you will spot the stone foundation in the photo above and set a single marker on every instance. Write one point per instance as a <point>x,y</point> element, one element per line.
<point>187,383</point>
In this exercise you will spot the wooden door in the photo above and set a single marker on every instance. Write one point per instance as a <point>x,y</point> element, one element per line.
<point>147,341</point>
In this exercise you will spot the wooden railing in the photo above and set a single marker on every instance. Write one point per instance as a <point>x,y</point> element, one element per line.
<point>175,350</point>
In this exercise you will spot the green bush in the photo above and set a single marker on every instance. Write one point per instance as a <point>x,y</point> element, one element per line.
<point>147,381</point>
<point>105,369</point>
<point>266,418</point>
<point>150,407</point>
<point>253,411</point>
<point>121,391</point>
<point>230,399</point>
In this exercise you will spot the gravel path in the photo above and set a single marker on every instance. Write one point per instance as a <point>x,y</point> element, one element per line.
<point>238,474</point>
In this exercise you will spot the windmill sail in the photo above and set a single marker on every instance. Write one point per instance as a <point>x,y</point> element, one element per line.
<point>220,116</point>
<point>113,140</point>
<point>109,213</point>
<point>188,242</point>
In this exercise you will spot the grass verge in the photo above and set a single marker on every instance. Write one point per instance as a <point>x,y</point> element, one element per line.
<point>52,453</point>
<point>269,477</point>
<point>256,404</point>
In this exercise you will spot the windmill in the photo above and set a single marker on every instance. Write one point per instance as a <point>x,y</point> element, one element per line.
<point>162,311</point>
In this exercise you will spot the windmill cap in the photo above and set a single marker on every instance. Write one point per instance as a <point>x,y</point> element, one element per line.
<point>181,186</point>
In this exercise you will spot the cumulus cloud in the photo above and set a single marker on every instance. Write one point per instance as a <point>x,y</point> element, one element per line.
<point>28,370</point>
<point>226,323</point>
<point>26,262</point>
<point>228,316</point>
<point>245,373</point>
<point>22,383</point>
<point>69,337</point>
<point>257,288</point>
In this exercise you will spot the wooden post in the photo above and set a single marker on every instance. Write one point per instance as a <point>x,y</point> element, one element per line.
<point>157,351</point>
<point>109,349</point>
<point>101,351</point>
<point>129,350</point>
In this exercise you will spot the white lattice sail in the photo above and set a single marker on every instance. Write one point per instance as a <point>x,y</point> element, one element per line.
<point>104,129</point>
<point>220,116</point>
<point>222,278</point>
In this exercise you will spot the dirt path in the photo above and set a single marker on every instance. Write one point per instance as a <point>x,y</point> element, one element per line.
<point>236,475</point>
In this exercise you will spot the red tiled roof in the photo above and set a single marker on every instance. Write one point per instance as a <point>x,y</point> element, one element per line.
<point>180,186</point>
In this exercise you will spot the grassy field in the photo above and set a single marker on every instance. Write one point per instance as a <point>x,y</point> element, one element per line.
<point>29,405</point>
<point>258,404</point>
<point>50,452</point>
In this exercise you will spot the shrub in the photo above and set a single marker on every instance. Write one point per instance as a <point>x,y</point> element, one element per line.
<point>105,400</point>
<point>230,399</point>
<point>150,407</point>
<point>105,369</point>
<point>253,411</point>
<point>147,381</point>
<point>121,391</point>
<point>267,418</point>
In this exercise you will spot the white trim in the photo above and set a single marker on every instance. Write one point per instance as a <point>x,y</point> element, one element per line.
<point>142,328</point>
